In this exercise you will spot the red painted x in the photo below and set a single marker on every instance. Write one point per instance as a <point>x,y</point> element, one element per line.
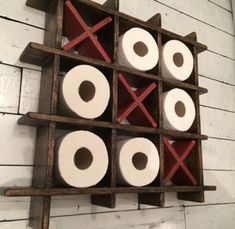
<point>175,168</point>
<point>130,104</point>
<point>76,30</point>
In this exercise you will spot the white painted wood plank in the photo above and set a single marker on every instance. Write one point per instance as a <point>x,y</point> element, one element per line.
<point>17,143</point>
<point>204,11</point>
<point>225,184</point>
<point>20,224</point>
<point>15,38</point>
<point>223,3</point>
<point>218,154</point>
<point>30,91</point>
<point>15,176</point>
<point>219,95</point>
<point>210,217</point>
<point>9,88</point>
<point>18,10</point>
<point>72,205</point>
<point>145,219</point>
<point>12,208</point>
<point>172,20</point>
<point>18,207</point>
<point>217,123</point>
<point>216,67</point>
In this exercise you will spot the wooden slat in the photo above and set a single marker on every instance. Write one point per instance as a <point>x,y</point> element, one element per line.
<point>40,5</point>
<point>37,119</point>
<point>211,121</point>
<point>38,54</point>
<point>24,191</point>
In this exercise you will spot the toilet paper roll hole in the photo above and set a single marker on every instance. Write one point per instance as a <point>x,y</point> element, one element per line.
<point>86,90</point>
<point>140,48</point>
<point>83,158</point>
<point>178,59</point>
<point>139,160</point>
<point>180,109</point>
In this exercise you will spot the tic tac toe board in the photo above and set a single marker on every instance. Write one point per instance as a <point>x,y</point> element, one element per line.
<point>93,30</point>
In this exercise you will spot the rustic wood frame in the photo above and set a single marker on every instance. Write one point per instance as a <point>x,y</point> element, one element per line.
<point>52,59</point>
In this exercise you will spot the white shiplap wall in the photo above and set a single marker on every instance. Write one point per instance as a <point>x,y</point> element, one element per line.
<point>19,88</point>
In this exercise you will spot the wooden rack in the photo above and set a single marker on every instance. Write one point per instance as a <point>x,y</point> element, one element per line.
<point>50,122</point>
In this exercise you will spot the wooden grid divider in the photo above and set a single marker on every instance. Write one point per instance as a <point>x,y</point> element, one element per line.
<point>47,120</point>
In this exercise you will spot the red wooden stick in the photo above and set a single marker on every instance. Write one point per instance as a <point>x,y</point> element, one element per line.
<point>174,156</point>
<point>75,26</point>
<point>134,110</point>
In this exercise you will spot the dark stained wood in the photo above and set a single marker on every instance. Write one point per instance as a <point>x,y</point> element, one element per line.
<point>192,36</point>
<point>39,54</point>
<point>195,158</point>
<point>42,119</point>
<point>40,5</point>
<point>112,4</point>
<point>44,150</point>
<point>155,20</point>
<point>26,191</point>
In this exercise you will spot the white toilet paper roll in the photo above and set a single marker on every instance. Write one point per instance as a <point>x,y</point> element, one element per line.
<point>137,49</point>
<point>177,60</point>
<point>84,91</point>
<point>138,161</point>
<point>82,159</point>
<point>178,110</point>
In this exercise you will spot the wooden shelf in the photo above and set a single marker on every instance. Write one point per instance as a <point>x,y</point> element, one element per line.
<point>28,191</point>
<point>50,120</point>
<point>37,119</point>
<point>38,54</point>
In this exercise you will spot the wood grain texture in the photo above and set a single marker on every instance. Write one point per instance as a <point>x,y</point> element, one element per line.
<point>217,17</point>
<point>29,91</point>
<point>211,121</point>
<point>213,216</point>
<point>10,78</point>
<point>16,37</point>
<point>226,4</point>
<point>22,13</point>
<point>23,137</point>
